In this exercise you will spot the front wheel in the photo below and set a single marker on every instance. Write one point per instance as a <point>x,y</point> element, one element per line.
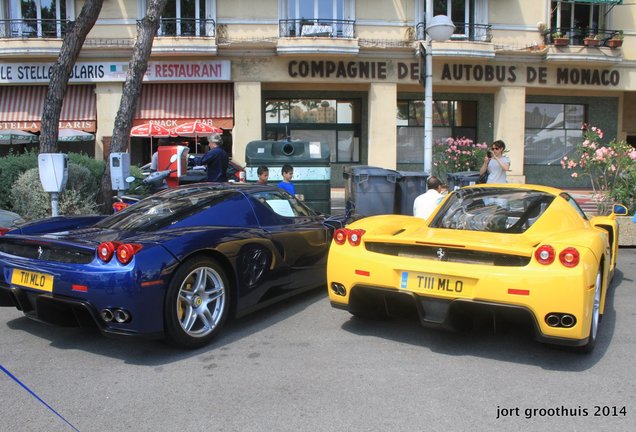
<point>596,313</point>
<point>197,303</point>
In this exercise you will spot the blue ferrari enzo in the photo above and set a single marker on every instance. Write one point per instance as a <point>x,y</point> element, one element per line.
<point>172,266</point>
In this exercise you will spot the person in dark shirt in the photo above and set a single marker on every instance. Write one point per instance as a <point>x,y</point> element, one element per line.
<point>216,160</point>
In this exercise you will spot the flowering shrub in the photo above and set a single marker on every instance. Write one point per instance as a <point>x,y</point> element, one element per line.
<point>610,167</point>
<point>456,155</point>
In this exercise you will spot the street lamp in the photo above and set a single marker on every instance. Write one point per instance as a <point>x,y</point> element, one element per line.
<point>438,28</point>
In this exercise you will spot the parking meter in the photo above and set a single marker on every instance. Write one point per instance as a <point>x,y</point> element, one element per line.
<point>119,171</point>
<point>53,170</point>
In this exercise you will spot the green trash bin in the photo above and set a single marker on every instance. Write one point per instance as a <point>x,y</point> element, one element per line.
<point>311,162</point>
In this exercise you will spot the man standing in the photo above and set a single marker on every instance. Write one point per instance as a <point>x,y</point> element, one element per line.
<point>424,204</point>
<point>216,160</point>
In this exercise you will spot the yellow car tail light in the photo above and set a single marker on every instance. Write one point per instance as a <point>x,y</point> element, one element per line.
<point>545,255</point>
<point>569,257</point>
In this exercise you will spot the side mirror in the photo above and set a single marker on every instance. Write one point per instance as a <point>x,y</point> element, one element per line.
<point>619,209</point>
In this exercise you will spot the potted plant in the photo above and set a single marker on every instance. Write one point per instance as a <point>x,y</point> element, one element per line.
<point>560,39</point>
<point>616,40</point>
<point>592,40</point>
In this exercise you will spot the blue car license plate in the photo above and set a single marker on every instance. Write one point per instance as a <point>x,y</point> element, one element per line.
<point>30,279</point>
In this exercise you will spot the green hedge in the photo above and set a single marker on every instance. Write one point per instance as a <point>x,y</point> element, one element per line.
<point>13,166</point>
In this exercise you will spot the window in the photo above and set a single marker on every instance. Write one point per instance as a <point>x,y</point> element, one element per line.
<point>454,119</point>
<point>469,16</point>
<point>552,131</point>
<point>184,18</point>
<point>38,18</point>
<point>316,9</point>
<point>577,19</point>
<point>319,17</point>
<point>283,204</point>
<point>335,122</point>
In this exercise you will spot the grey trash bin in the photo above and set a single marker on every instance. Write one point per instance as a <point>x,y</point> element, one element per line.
<point>411,184</point>
<point>311,162</point>
<point>370,190</point>
<point>462,178</point>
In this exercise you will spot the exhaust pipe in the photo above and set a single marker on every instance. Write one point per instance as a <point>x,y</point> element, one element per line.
<point>107,315</point>
<point>338,289</point>
<point>121,316</point>
<point>567,321</point>
<point>552,320</point>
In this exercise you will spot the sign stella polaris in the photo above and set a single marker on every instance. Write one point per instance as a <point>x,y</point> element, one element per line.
<point>214,70</point>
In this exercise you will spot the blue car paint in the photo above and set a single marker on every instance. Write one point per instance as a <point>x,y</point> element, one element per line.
<point>244,228</point>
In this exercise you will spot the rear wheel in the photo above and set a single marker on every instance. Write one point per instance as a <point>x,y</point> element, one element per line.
<point>596,313</point>
<point>197,303</point>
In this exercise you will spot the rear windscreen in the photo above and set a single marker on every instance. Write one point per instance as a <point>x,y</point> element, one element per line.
<point>492,210</point>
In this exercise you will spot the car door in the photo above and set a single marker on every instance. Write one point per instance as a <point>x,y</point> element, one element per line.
<point>298,234</point>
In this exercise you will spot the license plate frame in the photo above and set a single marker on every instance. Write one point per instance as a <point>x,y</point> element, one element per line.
<point>31,279</point>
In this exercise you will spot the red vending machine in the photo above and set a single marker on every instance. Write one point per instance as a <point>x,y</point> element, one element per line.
<point>179,164</point>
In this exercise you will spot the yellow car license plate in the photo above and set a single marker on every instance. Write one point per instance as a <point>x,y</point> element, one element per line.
<point>434,284</point>
<point>35,280</point>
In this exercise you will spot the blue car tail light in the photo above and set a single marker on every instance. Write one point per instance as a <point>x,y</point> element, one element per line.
<point>123,251</point>
<point>126,251</point>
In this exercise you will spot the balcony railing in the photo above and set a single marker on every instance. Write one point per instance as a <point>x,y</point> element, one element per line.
<point>463,31</point>
<point>186,27</point>
<point>316,27</point>
<point>577,36</point>
<point>33,28</point>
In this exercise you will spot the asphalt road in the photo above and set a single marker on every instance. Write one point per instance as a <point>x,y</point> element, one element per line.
<point>303,366</point>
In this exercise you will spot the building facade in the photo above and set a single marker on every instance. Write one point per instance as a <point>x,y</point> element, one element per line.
<point>344,72</point>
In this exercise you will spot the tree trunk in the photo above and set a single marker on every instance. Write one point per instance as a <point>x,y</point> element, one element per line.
<point>71,46</point>
<point>146,31</point>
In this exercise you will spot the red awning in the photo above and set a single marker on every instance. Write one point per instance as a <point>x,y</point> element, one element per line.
<point>24,103</point>
<point>173,103</point>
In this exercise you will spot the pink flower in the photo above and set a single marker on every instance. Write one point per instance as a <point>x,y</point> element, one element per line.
<point>575,175</point>
<point>632,155</point>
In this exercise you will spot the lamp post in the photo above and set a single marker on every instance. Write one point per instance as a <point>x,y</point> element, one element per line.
<point>438,28</point>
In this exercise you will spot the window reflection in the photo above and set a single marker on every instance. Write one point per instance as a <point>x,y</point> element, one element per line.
<point>552,131</point>
<point>334,122</point>
<point>450,119</point>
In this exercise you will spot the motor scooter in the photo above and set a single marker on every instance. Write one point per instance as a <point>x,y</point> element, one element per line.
<point>155,181</point>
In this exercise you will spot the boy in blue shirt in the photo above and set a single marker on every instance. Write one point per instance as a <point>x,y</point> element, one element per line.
<point>286,184</point>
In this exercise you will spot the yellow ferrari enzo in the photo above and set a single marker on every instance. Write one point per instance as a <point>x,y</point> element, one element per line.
<point>522,249</point>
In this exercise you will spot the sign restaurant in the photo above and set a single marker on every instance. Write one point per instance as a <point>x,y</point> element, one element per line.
<point>87,72</point>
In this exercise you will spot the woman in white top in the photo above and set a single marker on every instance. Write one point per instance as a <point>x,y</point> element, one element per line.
<point>497,165</point>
